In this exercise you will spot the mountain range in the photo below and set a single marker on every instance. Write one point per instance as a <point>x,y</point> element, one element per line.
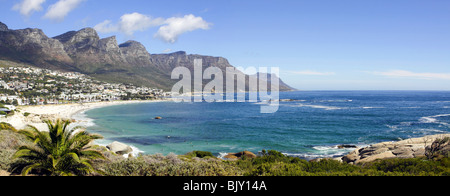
<point>104,59</point>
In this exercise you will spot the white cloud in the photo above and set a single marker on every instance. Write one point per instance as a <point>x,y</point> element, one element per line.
<point>27,7</point>
<point>176,26</point>
<point>409,74</point>
<point>169,31</point>
<point>312,73</point>
<point>167,50</point>
<point>60,9</point>
<point>106,27</point>
<point>129,23</point>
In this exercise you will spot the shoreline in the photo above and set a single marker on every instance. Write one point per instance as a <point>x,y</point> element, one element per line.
<point>75,112</point>
<point>63,111</point>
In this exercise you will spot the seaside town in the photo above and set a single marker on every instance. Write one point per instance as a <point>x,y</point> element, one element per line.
<point>35,86</point>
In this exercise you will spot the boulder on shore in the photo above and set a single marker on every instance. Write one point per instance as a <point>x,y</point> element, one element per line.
<point>410,148</point>
<point>344,146</point>
<point>119,148</point>
<point>239,155</point>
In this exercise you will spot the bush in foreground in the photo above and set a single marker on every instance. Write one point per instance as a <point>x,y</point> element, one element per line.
<point>276,164</point>
<point>170,165</point>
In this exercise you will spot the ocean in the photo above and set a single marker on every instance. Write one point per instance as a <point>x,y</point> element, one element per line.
<point>310,125</point>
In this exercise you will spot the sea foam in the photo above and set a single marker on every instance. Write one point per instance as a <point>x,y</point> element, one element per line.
<point>320,107</point>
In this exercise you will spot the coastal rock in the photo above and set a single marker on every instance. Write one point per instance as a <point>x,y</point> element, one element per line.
<point>119,148</point>
<point>410,148</point>
<point>344,146</point>
<point>351,157</point>
<point>158,118</point>
<point>239,155</point>
<point>372,151</point>
<point>403,152</point>
<point>384,155</point>
<point>419,153</point>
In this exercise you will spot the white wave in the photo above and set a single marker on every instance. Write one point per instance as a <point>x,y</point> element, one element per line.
<point>135,153</point>
<point>323,152</point>
<point>406,123</point>
<point>428,131</point>
<point>325,148</point>
<point>315,156</point>
<point>320,107</point>
<point>372,107</point>
<point>222,155</point>
<point>82,120</point>
<point>393,127</point>
<point>434,119</point>
<point>428,119</point>
<point>441,115</point>
<point>337,100</point>
<point>305,155</point>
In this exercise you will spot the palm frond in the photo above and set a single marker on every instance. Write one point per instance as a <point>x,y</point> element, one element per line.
<point>26,170</point>
<point>58,152</point>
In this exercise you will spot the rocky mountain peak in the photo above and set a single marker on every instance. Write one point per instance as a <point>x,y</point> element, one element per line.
<point>3,27</point>
<point>109,44</point>
<point>86,36</point>
<point>135,53</point>
<point>132,45</point>
<point>88,32</point>
<point>180,53</point>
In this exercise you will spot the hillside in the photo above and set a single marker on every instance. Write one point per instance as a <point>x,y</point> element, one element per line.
<point>102,58</point>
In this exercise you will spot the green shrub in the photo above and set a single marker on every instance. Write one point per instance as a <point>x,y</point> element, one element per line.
<point>171,165</point>
<point>415,166</point>
<point>10,141</point>
<point>273,163</point>
<point>200,154</point>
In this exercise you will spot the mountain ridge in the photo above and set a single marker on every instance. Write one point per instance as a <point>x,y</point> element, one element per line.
<point>102,58</point>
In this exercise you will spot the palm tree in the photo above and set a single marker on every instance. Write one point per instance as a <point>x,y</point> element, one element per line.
<point>59,152</point>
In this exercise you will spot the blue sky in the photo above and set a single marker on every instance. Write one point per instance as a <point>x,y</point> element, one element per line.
<point>318,45</point>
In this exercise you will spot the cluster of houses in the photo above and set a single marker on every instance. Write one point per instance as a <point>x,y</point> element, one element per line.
<point>35,86</point>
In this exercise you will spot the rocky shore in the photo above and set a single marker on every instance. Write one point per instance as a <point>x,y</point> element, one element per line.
<point>410,148</point>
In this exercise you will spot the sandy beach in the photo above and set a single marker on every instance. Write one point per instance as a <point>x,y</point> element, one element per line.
<point>66,111</point>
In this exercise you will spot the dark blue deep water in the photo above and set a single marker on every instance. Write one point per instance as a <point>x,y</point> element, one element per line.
<point>309,127</point>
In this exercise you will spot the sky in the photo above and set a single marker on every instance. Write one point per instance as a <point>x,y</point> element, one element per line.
<point>317,44</point>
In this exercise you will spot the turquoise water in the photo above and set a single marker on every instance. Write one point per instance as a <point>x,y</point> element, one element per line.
<point>309,127</point>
